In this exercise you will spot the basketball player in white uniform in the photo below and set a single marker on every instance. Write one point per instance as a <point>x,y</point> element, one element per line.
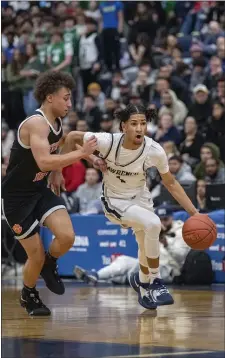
<point>126,198</point>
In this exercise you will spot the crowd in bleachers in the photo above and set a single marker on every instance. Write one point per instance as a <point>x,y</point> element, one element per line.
<point>168,55</point>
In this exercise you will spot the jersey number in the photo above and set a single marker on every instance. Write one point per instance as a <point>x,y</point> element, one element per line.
<point>122,181</point>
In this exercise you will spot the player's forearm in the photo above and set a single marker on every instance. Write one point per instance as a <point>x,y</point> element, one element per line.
<point>71,140</point>
<point>58,161</point>
<point>179,194</point>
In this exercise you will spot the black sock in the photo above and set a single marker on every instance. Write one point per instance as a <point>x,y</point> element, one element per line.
<point>27,290</point>
<point>51,257</point>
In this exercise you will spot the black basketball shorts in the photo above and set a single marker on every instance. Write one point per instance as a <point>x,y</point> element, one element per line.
<point>24,214</point>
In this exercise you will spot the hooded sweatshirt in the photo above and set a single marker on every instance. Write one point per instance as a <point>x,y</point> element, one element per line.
<point>178,109</point>
<point>199,171</point>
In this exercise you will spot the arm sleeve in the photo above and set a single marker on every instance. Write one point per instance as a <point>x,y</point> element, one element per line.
<point>104,141</point>
<point>157,158</point>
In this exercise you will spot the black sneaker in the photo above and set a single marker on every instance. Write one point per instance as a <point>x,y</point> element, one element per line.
<point>34,306</point>
<point>50,275</point>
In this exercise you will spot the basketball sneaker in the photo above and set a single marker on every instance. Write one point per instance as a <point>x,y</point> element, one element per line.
<point>159,293</point>
<point>134,281</point>
<point>50,274</point>
<point>86,276</point>
<point>144,297</point>
<point>31,301</point>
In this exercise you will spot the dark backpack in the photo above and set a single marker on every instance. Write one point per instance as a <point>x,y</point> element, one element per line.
<point>197,269</point>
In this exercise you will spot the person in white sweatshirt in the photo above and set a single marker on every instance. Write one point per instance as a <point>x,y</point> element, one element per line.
<point>173,252</point>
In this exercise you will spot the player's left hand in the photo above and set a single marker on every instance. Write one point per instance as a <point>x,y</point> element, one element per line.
<point>56,182</point>
<point>99,164</point>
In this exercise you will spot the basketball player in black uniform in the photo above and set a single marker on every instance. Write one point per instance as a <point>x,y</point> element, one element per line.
<point>27,200</point>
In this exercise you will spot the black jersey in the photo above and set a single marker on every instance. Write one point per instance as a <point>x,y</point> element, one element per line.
<point>23,176</point>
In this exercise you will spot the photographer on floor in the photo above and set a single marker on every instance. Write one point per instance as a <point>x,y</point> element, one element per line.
<point>173,252</point>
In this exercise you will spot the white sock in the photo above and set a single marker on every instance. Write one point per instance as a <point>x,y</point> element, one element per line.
<point>154,273</point>
<point>143,277</point>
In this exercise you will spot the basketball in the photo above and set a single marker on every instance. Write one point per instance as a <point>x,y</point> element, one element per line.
<point>199,232</point>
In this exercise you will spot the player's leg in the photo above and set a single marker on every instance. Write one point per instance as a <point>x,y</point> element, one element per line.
<point>19,214</point>
<point>61,226</point>
<point>30,299</point>
<point>141,218</point>
<point>143,275</point>
<point>51,212</point>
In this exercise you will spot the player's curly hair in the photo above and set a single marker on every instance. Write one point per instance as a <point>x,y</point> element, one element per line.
<point>124,114</point>
<point>50,82</point>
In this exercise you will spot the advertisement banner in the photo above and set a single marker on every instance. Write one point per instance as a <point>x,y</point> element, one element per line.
<point>97,240</point>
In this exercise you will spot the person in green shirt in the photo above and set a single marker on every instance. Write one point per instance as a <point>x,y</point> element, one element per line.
<point>41,47</point>
<point>29,73</point>
<point>70,34</point>
<point>59,53</point>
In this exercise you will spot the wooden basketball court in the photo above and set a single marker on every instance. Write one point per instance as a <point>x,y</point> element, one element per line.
<point>107,321</point>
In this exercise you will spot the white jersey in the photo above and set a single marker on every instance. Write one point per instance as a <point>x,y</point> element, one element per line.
<point>125,177</point>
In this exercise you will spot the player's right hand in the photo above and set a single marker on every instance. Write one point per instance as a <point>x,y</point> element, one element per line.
<point>90,146</point>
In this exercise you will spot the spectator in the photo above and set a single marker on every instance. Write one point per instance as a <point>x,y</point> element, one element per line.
<point>178,169</point>
<point>173,249</point>
<point>162,85</point>
<point>201,106</point>
<point>80,25</point>
<point>214,174</point>
<point>214,73</point>
<point>94,90</point>
<point>141,87</point>
<point>89,54</point>
<point>74,176</point>
<point>70,33</point>
<point>90,190</point>
<point>93,11</point>
<point>172,104</point>
<point>196,52</point>
<point>170,149</point>
<point>140,50</point>
<point>15,112</point>
<point>208,151</point>
<point>92,113</point>
<point>115,88</point>
<point>198,73</point>
<point>219,90</point>
<point>167,130</point>
<point>29,73</point>
<point>143,22</point>
<point>7,141</point>
<point>8,51</point>
<point>81,125</point>
<point>201,198</point>
<point>216,128</point>
<point>106,123</point>
<point>125,92</point>
<point>60,54</point>
<point>72,119</point>
<point>41,45</point>
<point>193,141</point>
<point>112,27</point>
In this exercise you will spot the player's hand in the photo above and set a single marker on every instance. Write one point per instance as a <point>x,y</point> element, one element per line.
<point>56,182</point>
<point>100,164</point>
<point>90,146</point>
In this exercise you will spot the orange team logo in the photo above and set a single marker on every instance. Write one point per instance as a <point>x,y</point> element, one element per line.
<point>17,229</point>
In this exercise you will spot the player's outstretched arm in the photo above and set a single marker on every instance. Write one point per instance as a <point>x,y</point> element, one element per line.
<point>73,141</point>
<point>178,193</point>
<point>38,136</point>
<point>104,141</point>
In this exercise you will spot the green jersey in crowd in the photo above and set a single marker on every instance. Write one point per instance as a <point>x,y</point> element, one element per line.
<point>58,53</point>
<point>42,53</point>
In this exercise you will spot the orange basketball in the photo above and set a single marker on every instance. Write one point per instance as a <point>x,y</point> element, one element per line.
<point>199,232</point>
